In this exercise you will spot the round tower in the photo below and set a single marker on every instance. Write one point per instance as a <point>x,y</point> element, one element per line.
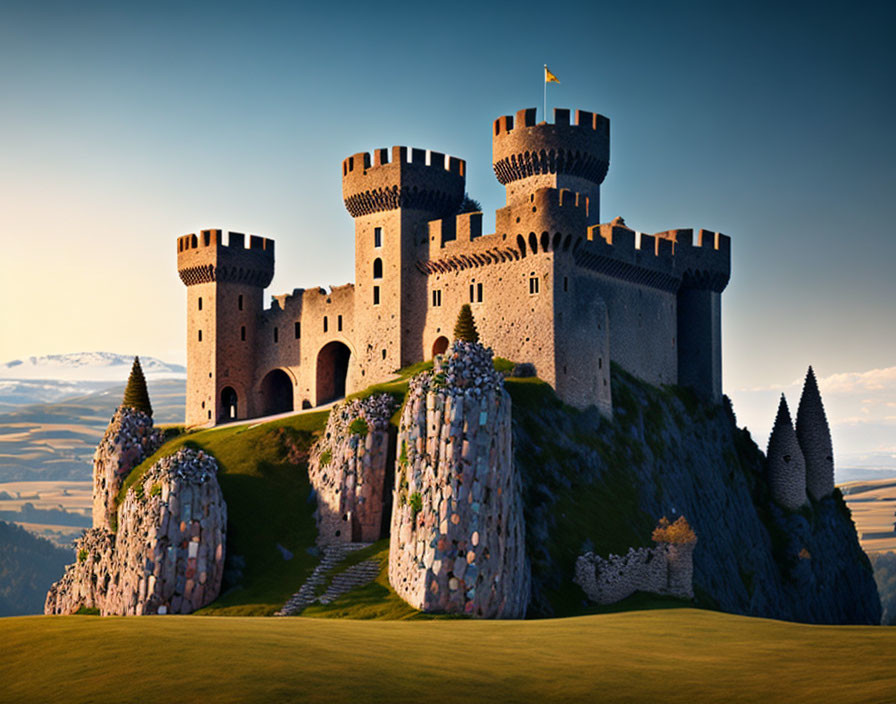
<point>225,284</point>
<point>786,465</point>
<point>527,156</point>
<point>814,436</point>
<point>392,200</point>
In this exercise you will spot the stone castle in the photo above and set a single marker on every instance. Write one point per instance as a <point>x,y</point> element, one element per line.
<point>552,285</point>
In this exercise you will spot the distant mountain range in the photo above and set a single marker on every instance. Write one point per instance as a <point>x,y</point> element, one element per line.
<point>51,378</point>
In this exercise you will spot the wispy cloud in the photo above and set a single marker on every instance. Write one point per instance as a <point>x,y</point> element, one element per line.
<point>859,407</point>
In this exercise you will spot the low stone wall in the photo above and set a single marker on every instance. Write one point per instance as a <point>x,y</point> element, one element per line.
<point>347,469</point>
<point>129,439</point>
<point>667,568</point>
<point>457,539</point>
<point>168,553</point>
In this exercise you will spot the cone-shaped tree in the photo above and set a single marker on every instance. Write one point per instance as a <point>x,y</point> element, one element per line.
<point>786,466</point>
<point>814,436</point>
<point>465,328</point>
<point>135,394</point>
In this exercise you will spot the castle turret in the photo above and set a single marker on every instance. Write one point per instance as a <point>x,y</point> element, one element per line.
<point>225,283</point>
<point>527,156</point>
<point>786,465</point>
<point>814,437</point>
<point>392,200</point>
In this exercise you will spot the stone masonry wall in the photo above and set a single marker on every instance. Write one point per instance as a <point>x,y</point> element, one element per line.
<point>347,469</point>
<point>665,569</point>
<point>168,553</point>
<point>457,536</point>
<point>128,440</point>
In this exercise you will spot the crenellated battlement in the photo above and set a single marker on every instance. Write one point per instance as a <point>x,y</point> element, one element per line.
<point>522,149</point>
<point>206,257</point>
<point>412,178</point>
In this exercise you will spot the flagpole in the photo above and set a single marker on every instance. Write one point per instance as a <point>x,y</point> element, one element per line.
<point>544,111</point>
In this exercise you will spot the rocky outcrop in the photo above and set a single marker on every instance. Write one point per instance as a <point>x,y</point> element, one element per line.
<point>457,533</point>
<point>347,470</point>
<point>786,465</point>
<point>168,553</point>
<point>595,486</point>
<point>129,439</point>
<point>814,436</point>
<point>667,569</point>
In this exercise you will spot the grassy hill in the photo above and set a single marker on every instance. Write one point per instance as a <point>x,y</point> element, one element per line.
<point>682,655</point>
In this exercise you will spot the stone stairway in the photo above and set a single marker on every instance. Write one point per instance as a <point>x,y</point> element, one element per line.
<point>332,556</point>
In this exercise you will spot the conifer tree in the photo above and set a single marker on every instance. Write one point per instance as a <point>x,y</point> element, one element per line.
<point>465,328</point>
<point>135,394</point>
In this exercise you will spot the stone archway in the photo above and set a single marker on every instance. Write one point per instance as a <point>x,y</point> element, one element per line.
<point>276,393</point>
<point>332,370</point>
<point>440,345</point>
<point>229,408</point>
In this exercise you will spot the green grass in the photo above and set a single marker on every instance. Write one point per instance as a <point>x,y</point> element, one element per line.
<point>679,655</point>
<point>267,504</point>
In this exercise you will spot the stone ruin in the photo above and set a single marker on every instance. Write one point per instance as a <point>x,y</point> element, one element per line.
<point>666,569</point>
<point>347,470</point>
<point>457,542</point>
<point>129,439</point>
<point>167,555</point>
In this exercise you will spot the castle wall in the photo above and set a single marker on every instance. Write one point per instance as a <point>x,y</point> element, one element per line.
<point>324,318</point>
<point>643,325</point>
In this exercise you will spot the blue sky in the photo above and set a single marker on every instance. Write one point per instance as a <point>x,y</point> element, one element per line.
<point>125,125</point>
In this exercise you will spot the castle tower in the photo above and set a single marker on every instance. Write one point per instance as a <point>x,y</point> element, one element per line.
<point>527,156</point>
<point>786,465</point>
<point>814,437</point>
<point>224,284</point>
<point>392,200</point>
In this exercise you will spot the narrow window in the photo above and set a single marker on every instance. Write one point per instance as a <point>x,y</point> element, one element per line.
<point>377,268</point>
<point>276,334</point>
<point>437,298</point>
<point>376,295</point>
<point>479,293</point>
<point>472,292</point>
<point>240,302</point>
<point>200,335</point>
<point>377,237</point>
<point>243,333</point>
<point>600,362</point>
<point>533,283</point>
<point>384,354</point>
<point>298,329</point>
<point>339,323</point>
<point>200,303</point>
<point>565,283</point>
<point>326,323</point>
<point>209,415</point>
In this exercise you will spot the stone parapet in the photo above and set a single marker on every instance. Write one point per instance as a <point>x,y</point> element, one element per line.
<point>457,540</point>
<point>430,183</point>
<point>205,258</point>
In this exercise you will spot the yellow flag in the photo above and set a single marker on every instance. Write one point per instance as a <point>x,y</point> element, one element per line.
<point>550,77</point>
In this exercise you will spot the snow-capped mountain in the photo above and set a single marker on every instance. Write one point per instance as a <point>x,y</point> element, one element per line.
<point>53,377</point>
<point>87,366</point>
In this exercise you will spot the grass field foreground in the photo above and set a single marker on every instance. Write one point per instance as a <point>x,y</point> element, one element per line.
<point>680,655</point>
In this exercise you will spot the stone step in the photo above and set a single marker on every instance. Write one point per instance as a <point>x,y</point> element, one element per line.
<point>353,577</point>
